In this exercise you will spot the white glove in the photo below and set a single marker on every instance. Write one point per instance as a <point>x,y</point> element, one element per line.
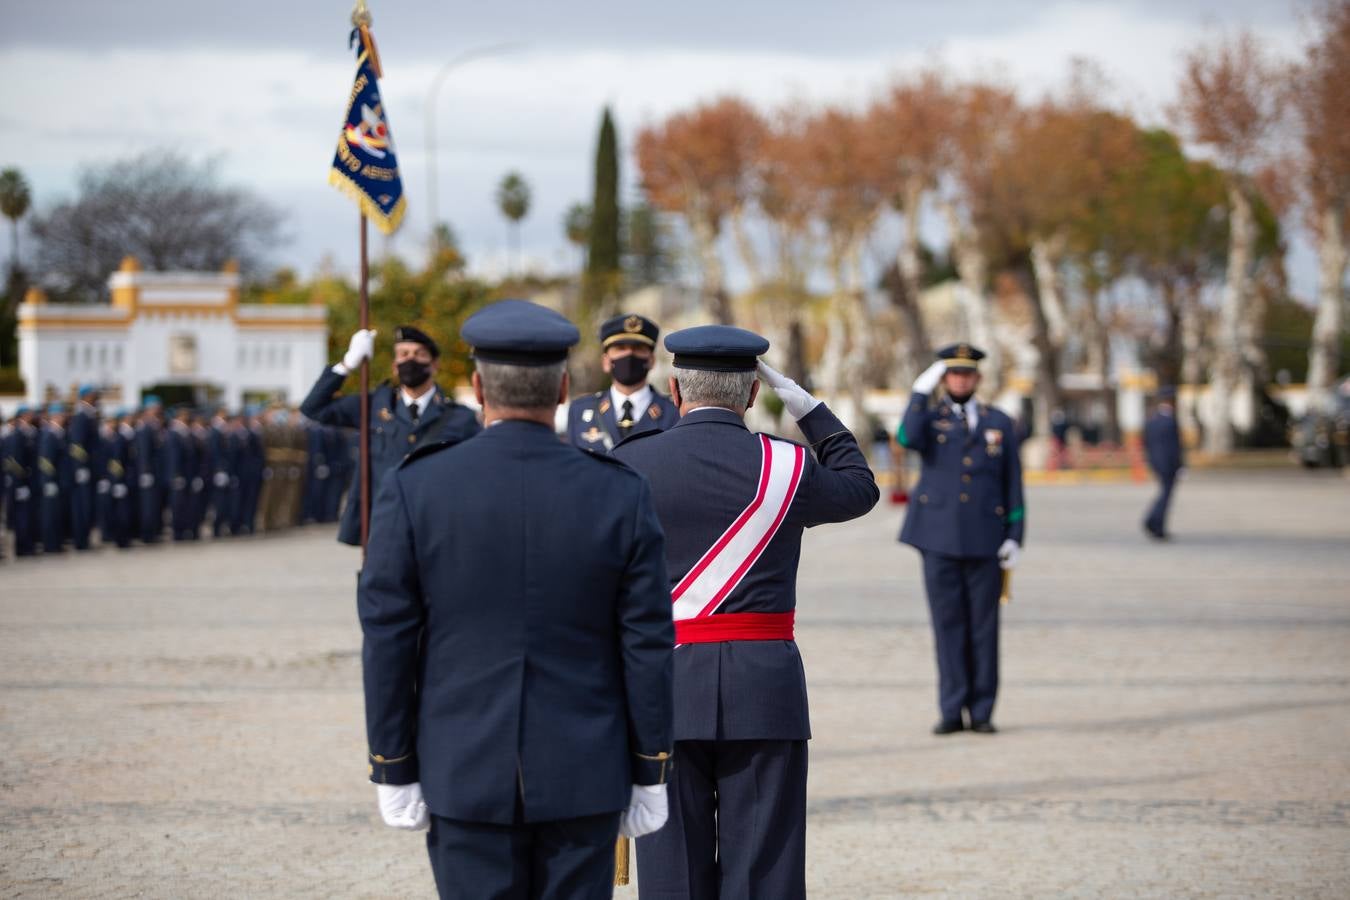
<point>796,401</point>
<point>362,346</point>
<point>647,810</point>
<point>927,382</point>
<point>402,806</point>
<point>1008,552</point>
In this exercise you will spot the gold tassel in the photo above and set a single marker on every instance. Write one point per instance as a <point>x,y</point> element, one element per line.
<point>621,861</point>
<point>1005,597</point>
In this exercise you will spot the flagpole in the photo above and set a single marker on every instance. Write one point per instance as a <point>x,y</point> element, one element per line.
<point>365,397</point>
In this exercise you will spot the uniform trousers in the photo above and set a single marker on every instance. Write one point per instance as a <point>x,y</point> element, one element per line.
<point>737,826</point>
<point>559,860</point>
<point>1156,521</point>
<point>963,603</point>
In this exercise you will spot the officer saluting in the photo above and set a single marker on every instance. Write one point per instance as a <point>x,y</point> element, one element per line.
<point>599,421</point>
<point>517,667</point>
<point>967,519</point>
<point>734,505</point>
<point>401,419</point>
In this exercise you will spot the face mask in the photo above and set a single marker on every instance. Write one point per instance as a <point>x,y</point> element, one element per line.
<point>629,370</point>
<point>962,399</point>
<point>412,373</point>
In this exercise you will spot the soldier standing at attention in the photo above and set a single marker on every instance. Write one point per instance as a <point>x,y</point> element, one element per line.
<point>84,450</point>
<point>21,500</point>
<point>734,506</point>
<point>630,406</point>
<point>402,418</point>
<point>180,466</point>
<point>517,668</point>
<point>54,476</point>
<point>967,518</point>
<point>1162,446</point>
<point>149,449</point>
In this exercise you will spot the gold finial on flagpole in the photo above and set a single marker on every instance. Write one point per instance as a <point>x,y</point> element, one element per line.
<point>361,15</point>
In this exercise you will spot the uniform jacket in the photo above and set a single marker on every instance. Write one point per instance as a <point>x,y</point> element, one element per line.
<point>593,424</point>
<point>1162,444</point>
<point>21,481</point>
<point>703,473</point>
<point>518,635</point>
<point>969,497</point>
<point>392,432</point>
<point>84,441</point>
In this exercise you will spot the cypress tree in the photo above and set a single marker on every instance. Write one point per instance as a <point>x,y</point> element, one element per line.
<point>602,259</point>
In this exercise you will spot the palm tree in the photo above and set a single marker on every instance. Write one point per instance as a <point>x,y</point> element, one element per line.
<point>577,227</point>
<point>15,199</point>
<point>513,199</point>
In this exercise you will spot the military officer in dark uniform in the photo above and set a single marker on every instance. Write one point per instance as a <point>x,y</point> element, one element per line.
<point>252,462</point>
<point>630,406</point>
<point>966,516</point>
<point>149,469</point>
<point>180,466</point>
<point>118,467</point>
<point>734,506</point>
<point>19,450</point>
<point>55,479</point>
<point>517,667</point>
<point>83,449</point>
<point>1162,446</point>
<point>402,418</point>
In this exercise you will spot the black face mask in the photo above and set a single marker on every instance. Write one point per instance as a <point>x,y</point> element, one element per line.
<point>629,370</point>
<point>412,373</point>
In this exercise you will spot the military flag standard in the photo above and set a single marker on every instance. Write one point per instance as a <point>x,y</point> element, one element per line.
<point>365,166</point>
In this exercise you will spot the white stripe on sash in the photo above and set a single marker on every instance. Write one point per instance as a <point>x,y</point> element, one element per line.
<point>715,576</point>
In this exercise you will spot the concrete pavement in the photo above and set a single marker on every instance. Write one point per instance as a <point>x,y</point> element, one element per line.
<point>186,720</point>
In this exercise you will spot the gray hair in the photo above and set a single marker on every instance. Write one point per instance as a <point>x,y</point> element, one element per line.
<point>729,390</point>
<point>521,387</point>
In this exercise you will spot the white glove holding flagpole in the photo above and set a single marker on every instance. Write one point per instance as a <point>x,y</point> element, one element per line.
<point>795,399</point>
<point>361,347</point>
<point>647,811</point>
<point>927,382</point>
<point>1008,552</point>
<point>402,806</point>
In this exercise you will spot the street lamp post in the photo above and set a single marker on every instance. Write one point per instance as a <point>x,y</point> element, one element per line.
<point>436,82</point>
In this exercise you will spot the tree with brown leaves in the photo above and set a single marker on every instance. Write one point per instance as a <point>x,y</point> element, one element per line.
<point>1228,101</point>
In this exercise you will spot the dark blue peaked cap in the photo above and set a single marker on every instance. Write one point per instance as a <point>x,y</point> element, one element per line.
<point>519,333</point>
<point>716,348</point>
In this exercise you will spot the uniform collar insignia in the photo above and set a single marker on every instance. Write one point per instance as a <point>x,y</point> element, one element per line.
<point>386,415</point>
<point>604,406</point>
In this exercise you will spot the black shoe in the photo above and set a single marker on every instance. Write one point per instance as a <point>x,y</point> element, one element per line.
<point>983,728</point>
<point>946,727</point>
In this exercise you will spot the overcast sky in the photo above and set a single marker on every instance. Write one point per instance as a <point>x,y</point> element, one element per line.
<point>261,85</point>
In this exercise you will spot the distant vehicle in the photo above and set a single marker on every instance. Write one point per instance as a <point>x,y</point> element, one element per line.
<point>1322,439</point>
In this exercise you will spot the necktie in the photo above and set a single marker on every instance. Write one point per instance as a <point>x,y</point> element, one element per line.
<point>413,411</point>
<point>961,414</point>
<point>626,423</point>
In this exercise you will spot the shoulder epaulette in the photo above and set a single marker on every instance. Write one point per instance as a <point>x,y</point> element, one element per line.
<point>637,436</point>
<point>426,450</point>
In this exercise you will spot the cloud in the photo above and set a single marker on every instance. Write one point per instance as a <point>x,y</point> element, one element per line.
<point>272,112</point>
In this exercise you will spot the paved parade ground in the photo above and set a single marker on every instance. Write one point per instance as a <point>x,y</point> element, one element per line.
<point>185,721</point>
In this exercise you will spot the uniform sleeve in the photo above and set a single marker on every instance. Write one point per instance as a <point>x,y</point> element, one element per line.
<point>324,406</point>
<point>913,431</point>
<point>838,484</point>
<point>389,604</point>
<point>1015,521</point>
<point>647,641</point>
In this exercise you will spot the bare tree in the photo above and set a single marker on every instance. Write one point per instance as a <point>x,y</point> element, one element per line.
<point>162,208</point>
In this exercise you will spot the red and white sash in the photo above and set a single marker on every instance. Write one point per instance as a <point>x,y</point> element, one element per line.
<point>722,567</point>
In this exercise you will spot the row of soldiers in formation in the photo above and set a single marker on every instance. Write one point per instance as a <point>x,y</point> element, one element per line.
<point>136,474</point>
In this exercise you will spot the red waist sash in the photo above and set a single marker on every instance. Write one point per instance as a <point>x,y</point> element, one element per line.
<point>735,627</point>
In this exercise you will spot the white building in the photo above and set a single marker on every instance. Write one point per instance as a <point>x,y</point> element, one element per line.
<point>174,330</point>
